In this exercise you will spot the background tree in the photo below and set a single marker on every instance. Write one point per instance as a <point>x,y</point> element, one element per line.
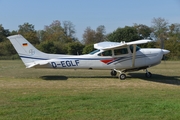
<point>174,30</point>
<point>94,36</point>
<point>100,34</point>
<point>160,26</point>
<point>40,34</point>
<point>6,48</point>
<point>143,31</point>
<point>59,36</point>
<point>88,48</point>
<point>69,29</point>
<point>126,34</point>
<point>48,47</point>
<point>54,32</point>
<point>89,36</point>
<point>27,30</point>
<point>3,33</point>
<point>173,41</point>
<point>75,48</point>
<point>14,32</point>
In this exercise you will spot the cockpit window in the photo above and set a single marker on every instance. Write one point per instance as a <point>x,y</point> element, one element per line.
<point>93,52</point>
<point>121,51</point>
<point>137,48</point>
<point>106,53</point>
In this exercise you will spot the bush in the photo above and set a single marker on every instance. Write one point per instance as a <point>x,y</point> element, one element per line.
<point>88,48</point>
<point>75,48</point>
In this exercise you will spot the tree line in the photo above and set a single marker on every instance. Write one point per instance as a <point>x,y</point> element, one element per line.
<point>59,37</point>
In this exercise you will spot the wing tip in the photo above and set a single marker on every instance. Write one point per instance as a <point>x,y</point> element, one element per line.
<point>14,36</point>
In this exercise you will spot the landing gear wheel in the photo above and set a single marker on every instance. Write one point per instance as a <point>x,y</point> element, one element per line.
<point>113,73</point>
<point>148,75</point>
<point>122,76</point>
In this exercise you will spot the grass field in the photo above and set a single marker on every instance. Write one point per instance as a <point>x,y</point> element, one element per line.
<point>37,94</point>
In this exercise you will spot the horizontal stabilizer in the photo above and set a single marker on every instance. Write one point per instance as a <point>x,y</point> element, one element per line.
<point>37,63</point>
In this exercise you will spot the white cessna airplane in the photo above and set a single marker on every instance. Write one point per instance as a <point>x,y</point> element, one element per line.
<point>117,57</point>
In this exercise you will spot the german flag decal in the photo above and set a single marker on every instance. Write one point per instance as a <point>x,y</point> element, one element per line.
<point>25,44</point>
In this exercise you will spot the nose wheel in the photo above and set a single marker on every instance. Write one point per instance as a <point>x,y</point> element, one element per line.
<point>148,74</point>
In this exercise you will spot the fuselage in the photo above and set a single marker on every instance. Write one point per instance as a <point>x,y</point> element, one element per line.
<point>109,59</point>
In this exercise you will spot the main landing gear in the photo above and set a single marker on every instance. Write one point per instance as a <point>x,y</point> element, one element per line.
<point>122,76</point>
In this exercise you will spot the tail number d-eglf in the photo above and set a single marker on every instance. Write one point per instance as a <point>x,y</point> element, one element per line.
<point>66,63</point>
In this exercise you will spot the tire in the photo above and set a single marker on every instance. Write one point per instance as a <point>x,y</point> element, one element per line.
<point>122,76</point>
<point>148,75</point>
<point>113,73</point>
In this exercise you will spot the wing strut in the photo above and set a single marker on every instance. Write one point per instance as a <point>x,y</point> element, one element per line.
<point>134,55</point>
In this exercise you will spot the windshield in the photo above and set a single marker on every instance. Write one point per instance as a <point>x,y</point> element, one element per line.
<point>137,48</point>
<point>93,52</point>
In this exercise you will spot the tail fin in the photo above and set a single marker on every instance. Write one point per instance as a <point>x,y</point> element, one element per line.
<point>27,52</point>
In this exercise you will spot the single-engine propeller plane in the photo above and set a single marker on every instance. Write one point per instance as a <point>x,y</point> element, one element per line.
<point>119,57</point>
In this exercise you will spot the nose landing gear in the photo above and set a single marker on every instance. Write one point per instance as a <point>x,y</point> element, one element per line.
<point>148,74</point>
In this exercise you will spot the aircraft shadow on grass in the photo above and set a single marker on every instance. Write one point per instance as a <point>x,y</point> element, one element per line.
<point>173,80</point>
<point>54,77</point>
<point>61,77</point>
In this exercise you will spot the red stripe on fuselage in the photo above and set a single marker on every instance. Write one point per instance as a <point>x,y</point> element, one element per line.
<point>107,61</point>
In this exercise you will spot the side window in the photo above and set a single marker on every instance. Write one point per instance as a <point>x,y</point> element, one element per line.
<point>106,53</point>
<point>121,51</point>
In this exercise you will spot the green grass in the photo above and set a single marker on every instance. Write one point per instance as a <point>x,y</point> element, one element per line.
<point>88,94</point>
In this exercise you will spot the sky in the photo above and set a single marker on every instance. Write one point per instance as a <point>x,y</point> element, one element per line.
<point>87,13</point>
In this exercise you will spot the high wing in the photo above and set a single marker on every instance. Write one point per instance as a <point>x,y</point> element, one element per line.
<point>114,45</point>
